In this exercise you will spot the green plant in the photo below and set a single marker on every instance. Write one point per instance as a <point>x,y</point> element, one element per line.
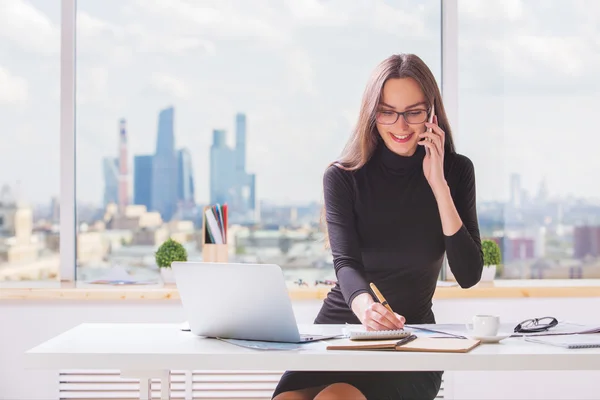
<point>168,252</point>
<point>491,252</point>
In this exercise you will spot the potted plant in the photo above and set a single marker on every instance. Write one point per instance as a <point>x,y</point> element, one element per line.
<point>491,259</point>
<point>169,251</point>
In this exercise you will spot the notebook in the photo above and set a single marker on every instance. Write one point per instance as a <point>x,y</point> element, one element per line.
<point>378,335</point>
<point>421,344</point>
<point>577,341</point>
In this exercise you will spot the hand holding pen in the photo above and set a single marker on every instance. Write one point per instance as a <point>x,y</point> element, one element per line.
<point>380,316</point>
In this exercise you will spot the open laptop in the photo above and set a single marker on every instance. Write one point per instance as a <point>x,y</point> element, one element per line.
<point>238,301</point>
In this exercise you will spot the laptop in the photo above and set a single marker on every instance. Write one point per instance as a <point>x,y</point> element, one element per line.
<point>238,301</point>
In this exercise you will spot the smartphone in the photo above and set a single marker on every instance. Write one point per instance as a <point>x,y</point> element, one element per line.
<point>431,117</point>
<point>429,129</point>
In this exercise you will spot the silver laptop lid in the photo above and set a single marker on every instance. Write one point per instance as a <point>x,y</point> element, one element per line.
<point>234,300</point>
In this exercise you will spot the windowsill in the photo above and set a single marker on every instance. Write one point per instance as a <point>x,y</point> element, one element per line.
<point>502,289</point>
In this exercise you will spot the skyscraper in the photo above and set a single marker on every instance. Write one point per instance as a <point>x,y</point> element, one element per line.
<point>240,143</point>
<point>164,167</point>
<point>185,183</point>
<point>229,181</point>
<point>110,167</point>
<point>123,167</point>
<point>245,183</point>
<point>142,181</point>
<point>222,169</point>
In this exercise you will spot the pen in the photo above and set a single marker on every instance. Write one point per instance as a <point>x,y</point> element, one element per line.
<point>380,297</point>
<point>405,340</point>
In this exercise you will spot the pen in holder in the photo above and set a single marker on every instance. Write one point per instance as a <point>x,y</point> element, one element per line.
<point>214,234</point>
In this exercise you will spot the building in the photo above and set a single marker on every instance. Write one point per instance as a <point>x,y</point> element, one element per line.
<point>123,167</point>
<point>164,167</point>
<point>222,169</point>
<point>229,181</point>
<point>142,181</point>
<point>110,167</point>
<point>17,243</point>
<point>185,183</point>
<point>586,241</point>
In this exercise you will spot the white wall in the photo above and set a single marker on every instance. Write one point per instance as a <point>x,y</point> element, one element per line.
<point>25,324</point>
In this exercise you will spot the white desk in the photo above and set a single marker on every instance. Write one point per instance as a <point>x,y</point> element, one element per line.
<point>146,351</point>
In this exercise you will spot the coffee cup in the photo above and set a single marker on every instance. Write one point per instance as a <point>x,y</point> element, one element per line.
<point>484,325</point>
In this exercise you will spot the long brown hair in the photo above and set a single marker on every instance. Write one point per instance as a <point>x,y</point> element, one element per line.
<point>364,139</point>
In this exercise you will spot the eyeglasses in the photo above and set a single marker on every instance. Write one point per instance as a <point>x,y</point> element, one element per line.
<point>536,325</point>
<point>389,117</point>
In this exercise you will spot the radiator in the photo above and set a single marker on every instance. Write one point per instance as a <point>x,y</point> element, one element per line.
<point>185,385</point>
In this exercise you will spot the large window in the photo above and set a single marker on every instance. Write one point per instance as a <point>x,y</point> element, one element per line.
<point>187,104</point>
<point>528,90</point>
<point>29,154</point>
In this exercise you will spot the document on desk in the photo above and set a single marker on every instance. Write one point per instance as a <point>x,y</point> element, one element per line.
<point>460,330</point>
<point>259,345</point>
<point>421,344</point>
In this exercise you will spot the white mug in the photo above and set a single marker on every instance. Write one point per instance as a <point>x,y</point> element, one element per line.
<point>484,325</point>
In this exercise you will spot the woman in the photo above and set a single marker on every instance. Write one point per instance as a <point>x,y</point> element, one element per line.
<point>399,198</point>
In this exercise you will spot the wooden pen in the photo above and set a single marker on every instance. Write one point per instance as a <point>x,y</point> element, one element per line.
<point>380,297</point>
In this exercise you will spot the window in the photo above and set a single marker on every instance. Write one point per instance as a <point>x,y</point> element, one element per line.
<point>29,155</point>
<point>528,87</point>
<point>268,92</point>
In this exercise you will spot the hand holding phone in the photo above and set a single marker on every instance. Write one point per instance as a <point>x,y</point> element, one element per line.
<point>430,129</point>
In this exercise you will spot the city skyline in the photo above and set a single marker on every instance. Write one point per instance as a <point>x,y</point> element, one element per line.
<point>300,103</point>
<point>165,181</point>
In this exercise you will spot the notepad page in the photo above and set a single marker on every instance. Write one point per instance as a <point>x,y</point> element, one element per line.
<point>378,335</point>
<point>576,341</point>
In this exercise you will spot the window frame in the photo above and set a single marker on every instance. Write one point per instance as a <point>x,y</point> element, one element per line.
<point>68,190</point>
<point>68,211</point>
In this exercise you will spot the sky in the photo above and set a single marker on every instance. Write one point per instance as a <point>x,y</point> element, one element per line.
<point>527,86</point>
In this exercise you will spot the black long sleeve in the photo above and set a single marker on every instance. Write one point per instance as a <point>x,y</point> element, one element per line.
<point>343,236</point>
<point>384,227</point>
<point>463,249</point>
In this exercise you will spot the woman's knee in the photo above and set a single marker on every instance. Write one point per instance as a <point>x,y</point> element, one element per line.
<point>291,395</point>
<point>302,394</point>
<point>340,391</point>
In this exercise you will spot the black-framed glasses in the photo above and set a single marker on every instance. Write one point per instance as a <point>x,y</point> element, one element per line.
<point>389,117</point>
<point>536,325</point>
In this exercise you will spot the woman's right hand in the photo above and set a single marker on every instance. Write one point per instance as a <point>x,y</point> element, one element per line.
<point>374,316</point>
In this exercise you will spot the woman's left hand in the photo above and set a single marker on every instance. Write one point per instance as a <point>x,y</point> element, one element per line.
<point>433,163</point>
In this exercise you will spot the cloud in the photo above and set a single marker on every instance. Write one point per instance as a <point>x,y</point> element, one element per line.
<point>169,85</point>
<point>92,84</point>
<point>28,28</point>
<point>315,12</point>
<point>301,73</point>
<point>119,43</point>
<point>14,90</point>
<point>491,11</point>
<point>530,47</point>
<point>298,69</point>
<point>225,20</point>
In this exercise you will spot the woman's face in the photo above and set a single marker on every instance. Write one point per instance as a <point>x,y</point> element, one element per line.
<point>402,95</point>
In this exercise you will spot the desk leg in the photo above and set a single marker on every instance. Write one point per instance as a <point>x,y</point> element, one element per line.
<point>146,377</point>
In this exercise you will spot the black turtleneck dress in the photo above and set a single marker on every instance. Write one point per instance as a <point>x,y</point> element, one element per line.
<point>384,227</point>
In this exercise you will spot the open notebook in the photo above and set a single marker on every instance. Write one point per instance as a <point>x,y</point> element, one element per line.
<point>422,344</point>
<point>577,341</point>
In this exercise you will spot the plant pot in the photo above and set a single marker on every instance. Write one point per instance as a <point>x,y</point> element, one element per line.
<point>167,275</point>
<point>488,274</point>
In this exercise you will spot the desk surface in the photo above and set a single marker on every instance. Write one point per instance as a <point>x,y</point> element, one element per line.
<point>165,346</point>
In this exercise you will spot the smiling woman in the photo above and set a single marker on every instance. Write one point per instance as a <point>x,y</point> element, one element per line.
<point>392,212</point>
<point>201,112</point>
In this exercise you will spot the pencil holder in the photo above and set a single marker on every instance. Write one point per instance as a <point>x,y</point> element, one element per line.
<point>214,252</point>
